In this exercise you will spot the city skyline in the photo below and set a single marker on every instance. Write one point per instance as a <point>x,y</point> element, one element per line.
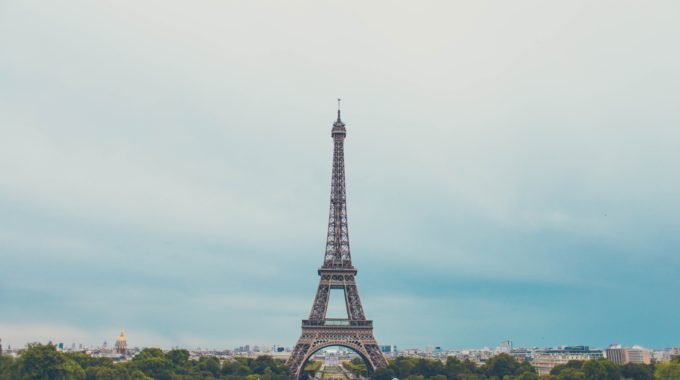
<point>511,170</point>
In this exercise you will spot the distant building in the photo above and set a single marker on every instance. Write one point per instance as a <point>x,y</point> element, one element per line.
<point>478,356</point>
<point>675,351</point>
<point>621,355</point>
<point>545,360</point>
<point>504,347</point>
<point>660,356</point>
<point>521,354</point>
<point>121,344</point>
<point>389,349</point>
<point>332,357</point>
<point>616,353</point>
<point>638,355</point>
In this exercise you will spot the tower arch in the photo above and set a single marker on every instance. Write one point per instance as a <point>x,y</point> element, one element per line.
<point>355,348</point>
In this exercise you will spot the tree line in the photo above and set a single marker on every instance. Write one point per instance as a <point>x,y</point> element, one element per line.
<point>506,367</point>
<point>45,362</point>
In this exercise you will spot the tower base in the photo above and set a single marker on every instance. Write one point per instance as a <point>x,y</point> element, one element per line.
<point>355,335</point>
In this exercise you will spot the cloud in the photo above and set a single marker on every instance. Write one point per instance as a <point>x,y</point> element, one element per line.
<point>165,168</point>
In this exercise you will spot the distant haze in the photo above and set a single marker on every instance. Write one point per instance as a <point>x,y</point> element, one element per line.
<point>512,169</point>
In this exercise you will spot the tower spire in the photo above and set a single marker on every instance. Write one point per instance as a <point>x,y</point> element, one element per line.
<point>337,241</point>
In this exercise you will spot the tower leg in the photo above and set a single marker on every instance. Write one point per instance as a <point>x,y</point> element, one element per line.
<point>320,304</point>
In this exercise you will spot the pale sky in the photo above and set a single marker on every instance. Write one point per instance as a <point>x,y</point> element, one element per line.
<point>512,169</point>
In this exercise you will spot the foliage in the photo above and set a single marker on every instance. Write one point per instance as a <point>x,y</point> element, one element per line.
<point>506,367</point>
<point>7,367</point>
<point>667,371</point>
<point>501,367</point>
<point>45,362</point>
<point>311,368</point>
<point>569,374</point>
<point>383,374</point>
<point>637,371</point>
<point>356,366</point>
<point>605,370</point>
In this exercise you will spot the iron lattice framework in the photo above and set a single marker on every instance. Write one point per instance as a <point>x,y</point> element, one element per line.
<point>337,272</point>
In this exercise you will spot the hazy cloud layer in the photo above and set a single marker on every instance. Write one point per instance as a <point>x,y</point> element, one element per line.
<point>512,169</point>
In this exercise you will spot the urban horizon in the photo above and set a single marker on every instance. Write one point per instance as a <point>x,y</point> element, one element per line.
<point>267,348</point>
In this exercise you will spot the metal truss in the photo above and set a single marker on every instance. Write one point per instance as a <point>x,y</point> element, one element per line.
<point>337,272</point>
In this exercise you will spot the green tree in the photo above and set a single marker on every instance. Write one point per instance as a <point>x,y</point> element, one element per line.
<point>572,364</point>
<point>568,373</point>
<point>139,375</point>
<point>209,364</point>
<point>261,363</point>
<point>667,371</point>
<point>157,368</point>
<point>356,366</point>
<point>403,367</point>
<point>503,365</point>
<point>454,367</point>
<point>43,362</point>
<point>149,353</point>
<point>470,366</point>
<point>601,369</point>
<point>85,361</point>
<point>179,358</point>
<point>7,367</point>
<point>636,371</point>
<point>107,373</point>
<point>429,368</point>
<point>311,368</point>
<point>527,376</point>
<point>383,373</point>
<point>153,363</point>
<point>471,376</point>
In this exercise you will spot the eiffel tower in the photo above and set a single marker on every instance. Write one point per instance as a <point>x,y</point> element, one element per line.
<point>337,272</point>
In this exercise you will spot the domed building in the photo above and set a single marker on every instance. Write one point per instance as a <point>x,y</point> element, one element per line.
<point>121,343</point>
